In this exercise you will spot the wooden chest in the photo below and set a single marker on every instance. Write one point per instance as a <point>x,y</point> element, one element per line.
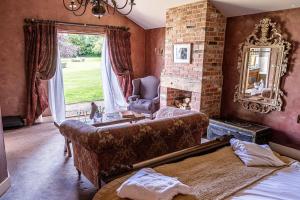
<point>242,130</point>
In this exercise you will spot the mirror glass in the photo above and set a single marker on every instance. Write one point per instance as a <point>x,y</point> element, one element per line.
<point>260,73</point>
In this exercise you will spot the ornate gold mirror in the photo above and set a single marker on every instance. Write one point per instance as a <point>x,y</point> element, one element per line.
<point>262,62</point>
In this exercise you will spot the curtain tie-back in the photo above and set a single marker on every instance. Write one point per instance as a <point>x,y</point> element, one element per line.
<point>126,72</point>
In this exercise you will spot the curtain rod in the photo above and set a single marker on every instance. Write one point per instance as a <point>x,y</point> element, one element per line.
<point>27,20</point>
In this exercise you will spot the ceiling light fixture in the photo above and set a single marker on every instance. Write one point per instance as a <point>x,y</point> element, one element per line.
<point>99,7</point>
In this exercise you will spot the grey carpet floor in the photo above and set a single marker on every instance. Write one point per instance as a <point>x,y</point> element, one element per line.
<point>38,168</point>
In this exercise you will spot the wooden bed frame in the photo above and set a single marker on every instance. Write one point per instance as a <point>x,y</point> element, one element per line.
<point>177,156</point>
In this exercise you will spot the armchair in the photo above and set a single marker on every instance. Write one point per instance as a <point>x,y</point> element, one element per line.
<point>145,97</point>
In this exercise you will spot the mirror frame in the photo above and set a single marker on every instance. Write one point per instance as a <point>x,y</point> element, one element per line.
<point>265,35</point>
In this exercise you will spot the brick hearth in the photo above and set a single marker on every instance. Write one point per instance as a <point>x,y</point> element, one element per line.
<point>204,27</point>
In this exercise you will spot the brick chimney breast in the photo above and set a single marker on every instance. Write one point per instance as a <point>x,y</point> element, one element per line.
<point>203,26</point>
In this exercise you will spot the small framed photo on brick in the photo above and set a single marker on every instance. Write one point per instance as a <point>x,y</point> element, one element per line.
<point>182,53</point>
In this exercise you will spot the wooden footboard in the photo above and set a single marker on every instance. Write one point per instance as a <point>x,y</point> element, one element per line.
<point>201,149</point>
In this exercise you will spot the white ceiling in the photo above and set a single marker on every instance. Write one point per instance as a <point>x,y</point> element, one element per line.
<point>151,13</point>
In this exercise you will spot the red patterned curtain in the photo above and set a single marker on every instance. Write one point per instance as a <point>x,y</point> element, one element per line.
<point>120,56</point>
<point>40,62</point>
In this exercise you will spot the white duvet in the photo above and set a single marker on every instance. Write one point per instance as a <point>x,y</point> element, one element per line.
<point>282,185</point>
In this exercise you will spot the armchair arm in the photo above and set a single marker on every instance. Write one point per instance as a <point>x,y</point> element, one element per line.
<point>156,100</point>
<point>133,98</point>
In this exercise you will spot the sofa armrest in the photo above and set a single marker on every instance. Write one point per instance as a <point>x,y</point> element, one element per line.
<point>77,131</point>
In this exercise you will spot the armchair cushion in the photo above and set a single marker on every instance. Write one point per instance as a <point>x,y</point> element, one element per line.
<point>141,104</point>
<point>133,98</point>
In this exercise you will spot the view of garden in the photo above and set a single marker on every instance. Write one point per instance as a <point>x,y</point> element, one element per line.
<point>81,62</point>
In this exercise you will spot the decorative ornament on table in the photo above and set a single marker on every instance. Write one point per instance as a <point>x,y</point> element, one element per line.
<point>96,112</point>
<point>99,7</point>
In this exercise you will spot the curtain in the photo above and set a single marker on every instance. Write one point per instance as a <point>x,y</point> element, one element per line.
<point>113,96</point>
<point>40,62</point>
<point>56,94</point>
<point>120,57</point>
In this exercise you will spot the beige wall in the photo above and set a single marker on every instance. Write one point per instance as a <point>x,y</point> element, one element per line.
<point>3,166</point>
<point>12,70</point>
<point>155,41</point>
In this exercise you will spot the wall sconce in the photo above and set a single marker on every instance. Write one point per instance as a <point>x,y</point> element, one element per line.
<point>159,51</point>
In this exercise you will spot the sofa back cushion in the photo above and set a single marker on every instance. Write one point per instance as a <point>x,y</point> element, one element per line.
<point>132,143</point>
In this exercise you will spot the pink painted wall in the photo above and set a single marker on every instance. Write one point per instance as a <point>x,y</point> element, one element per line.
<point>286,131</point>
<point>155,39</point>
<point>12,70</point>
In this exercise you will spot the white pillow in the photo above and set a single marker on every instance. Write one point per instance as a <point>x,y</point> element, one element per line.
<point>255,155</point>
<point>147,184</point>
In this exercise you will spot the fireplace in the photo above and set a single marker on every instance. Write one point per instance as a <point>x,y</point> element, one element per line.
<point>183,99</point>
<point>198,83</point>
<point>179,98</point>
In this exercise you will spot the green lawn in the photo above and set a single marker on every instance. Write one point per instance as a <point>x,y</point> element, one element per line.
<point>82,80</point>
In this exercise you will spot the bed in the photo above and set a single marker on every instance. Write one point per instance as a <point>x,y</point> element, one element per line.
<point>220,174</point>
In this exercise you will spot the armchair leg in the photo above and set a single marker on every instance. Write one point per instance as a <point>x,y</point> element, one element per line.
<point>151,116</point>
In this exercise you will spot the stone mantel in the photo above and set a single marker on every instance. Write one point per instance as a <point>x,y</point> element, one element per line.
<point>187,84</point>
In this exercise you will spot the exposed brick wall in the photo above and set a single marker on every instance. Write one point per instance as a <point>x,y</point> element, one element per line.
<point>204,27</point>
<point>212,78</point>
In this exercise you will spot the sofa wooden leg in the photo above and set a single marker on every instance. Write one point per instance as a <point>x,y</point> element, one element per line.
<point>79,172</point>
<point>65,148</point>
<point>68,148</point>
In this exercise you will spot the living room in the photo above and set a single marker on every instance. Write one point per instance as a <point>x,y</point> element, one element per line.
<point>175,79</point>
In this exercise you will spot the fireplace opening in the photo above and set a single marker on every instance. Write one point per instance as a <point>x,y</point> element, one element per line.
<point>179,98</point>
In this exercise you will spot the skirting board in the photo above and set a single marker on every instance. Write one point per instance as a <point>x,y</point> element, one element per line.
<point>285,151</point>
<point>4,185</point>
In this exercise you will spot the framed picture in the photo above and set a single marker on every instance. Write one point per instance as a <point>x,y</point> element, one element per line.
<point>182,53</point>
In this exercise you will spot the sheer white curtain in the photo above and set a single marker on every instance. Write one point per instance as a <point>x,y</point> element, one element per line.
<point>114,99</point>
<point>56,94</point>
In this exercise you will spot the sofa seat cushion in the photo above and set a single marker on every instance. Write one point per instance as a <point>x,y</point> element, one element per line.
<point>141,104</point>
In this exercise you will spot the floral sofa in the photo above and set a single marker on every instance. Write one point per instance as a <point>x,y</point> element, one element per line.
<point>99,150</point>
